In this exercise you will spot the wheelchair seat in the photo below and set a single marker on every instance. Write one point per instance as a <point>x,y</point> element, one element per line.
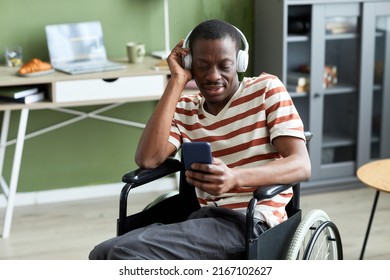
<point>314,238</point>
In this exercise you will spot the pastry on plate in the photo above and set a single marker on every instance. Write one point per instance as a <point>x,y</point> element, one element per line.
<point>33,66</point>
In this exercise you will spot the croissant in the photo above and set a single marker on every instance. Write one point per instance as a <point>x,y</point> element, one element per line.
<point>34,65</point>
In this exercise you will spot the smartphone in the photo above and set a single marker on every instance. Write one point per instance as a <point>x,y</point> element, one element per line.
<point>199,152</point>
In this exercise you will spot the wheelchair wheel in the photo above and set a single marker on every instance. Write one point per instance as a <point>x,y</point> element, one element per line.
<point>316,238</point>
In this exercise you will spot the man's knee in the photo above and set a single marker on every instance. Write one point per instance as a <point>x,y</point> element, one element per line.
<point>122,253</point>
<point>98,253</point>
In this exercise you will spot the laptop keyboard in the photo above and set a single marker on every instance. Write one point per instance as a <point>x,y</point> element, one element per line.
<point>83,68</point>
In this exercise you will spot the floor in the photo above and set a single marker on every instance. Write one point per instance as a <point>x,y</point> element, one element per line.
<point>68,231</point>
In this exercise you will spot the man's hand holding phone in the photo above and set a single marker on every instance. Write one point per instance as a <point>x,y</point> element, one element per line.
<point>205,172</point>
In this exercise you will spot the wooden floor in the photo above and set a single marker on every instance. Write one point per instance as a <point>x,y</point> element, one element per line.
<point>68,231</point>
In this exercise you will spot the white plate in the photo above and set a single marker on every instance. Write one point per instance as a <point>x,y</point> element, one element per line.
<point>39,73</point>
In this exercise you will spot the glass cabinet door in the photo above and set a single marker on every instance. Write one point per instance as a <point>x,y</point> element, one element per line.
<point>334,89</point>
<point>375,83</point>
<point>296,71</point>
<point>334,57</point>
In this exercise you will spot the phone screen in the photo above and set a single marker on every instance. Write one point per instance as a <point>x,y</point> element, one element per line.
<point>199,152</point>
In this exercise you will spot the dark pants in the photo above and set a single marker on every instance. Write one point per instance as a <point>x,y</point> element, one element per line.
<point>208,233</point>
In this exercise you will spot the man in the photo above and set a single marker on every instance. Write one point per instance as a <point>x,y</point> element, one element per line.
<point>256,137</point>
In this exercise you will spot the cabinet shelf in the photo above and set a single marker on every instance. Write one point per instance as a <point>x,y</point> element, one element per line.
<point>340,89</point>
<point>375,139</point>
<point>380,34</point>
<point>294,94</point>
<point>297,38</point>
<point>344,36</point>
<point>332,141</point>
<point>328,91</point>
<point>377,87</point>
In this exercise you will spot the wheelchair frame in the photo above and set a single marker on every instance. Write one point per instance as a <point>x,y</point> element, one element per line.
<point>316,237</point>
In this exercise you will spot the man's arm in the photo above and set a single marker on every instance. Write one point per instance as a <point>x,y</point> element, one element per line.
<point>154,147</point>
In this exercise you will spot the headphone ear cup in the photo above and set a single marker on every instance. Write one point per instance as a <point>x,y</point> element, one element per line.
<point>242,61</point>
<point>187,61</point>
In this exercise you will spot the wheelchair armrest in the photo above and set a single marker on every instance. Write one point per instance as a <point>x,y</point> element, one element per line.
<point>261,193</point>
<point>142,176</point>
<point>270,191</point>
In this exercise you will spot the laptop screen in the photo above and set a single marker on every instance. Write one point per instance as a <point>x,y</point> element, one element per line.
<point>75,42</point>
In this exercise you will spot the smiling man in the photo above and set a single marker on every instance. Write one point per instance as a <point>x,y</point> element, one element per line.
<point>256,136</point>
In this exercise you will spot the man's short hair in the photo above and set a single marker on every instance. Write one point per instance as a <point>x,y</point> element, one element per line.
<point>214,29</point>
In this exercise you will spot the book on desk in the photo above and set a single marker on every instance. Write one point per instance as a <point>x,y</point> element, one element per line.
<point>22,94</point>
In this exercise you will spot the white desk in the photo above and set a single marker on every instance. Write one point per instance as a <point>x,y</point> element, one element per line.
<point>138,82</point>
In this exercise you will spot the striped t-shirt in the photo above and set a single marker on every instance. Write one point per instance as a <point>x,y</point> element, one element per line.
<point>241,136</point>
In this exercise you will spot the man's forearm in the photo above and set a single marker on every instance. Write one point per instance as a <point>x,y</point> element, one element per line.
<point>153,147</point>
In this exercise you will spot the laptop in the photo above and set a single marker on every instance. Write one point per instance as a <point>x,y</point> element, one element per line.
<point>78,48</point>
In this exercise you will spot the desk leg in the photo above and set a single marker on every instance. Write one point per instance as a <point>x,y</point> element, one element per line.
<point>369,224</point>
<point>15,172</point>
<point>3,146</point>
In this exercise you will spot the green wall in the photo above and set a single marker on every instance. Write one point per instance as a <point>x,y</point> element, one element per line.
<point>92,152</point>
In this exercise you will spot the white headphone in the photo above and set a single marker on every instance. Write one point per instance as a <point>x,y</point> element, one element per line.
<point>242,56</point>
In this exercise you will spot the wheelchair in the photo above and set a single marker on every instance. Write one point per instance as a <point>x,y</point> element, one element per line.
<point>315,237</point>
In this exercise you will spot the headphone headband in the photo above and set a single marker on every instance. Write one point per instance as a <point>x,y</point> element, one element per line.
<point>242,56</point>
